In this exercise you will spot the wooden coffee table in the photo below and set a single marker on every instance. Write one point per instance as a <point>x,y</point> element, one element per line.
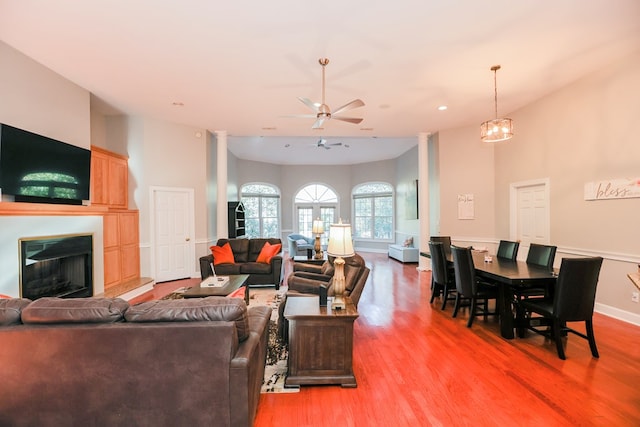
<point>235,282</point>
<point>320,343</point>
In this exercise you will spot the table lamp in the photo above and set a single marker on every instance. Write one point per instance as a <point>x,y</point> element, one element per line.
<point>340,245</point>
<point>318,230</point>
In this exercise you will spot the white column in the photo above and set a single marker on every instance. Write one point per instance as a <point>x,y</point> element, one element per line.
<point>222,225</point>
<point>423,208</point>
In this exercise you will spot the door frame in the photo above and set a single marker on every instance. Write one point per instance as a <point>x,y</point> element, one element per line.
<point>191,226</point>
<point>513,204</point>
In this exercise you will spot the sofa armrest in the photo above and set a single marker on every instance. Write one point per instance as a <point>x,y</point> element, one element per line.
<point>277,270</point>
<point>205,266</point>
<point>311,268</point>
<point>247,368</point>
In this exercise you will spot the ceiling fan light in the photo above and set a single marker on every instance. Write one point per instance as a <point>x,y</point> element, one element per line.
<point>496,130</point>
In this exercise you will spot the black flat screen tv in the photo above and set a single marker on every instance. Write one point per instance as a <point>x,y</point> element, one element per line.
<point>34,168</point>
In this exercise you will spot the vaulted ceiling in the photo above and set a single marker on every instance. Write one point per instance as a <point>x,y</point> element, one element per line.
<point>240,66</point>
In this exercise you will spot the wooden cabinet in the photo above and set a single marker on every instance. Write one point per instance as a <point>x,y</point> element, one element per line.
<point>236,219</point>
<point>109,179</point>
<point>121,249</point>
<point>110,188</point>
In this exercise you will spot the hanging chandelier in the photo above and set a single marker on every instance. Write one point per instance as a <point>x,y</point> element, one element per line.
<point>497,129</point>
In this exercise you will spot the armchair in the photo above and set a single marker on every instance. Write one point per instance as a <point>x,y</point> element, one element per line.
<point>298,244</point>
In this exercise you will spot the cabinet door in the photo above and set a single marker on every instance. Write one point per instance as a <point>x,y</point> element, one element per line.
<point>99,178</point>
<point>111,230</point>
<point>128,225</point>
<point>118,183</point>
<point>112,267</point>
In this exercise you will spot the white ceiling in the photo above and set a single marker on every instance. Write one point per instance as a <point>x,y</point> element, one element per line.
<point>239,66</point>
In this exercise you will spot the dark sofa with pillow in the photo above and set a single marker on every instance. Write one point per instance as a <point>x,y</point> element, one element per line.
<point>99,362</point>
<point>245,254</point>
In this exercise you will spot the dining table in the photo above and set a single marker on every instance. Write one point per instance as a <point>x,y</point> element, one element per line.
<point>507,274</point>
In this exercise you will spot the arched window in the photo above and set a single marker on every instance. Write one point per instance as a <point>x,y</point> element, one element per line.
<point>262,210</point>
<point>315,201</point>
<point>373,211</point>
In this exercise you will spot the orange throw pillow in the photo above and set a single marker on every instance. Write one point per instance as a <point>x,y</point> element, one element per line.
<point>268,251</point>
<point>222,254</point>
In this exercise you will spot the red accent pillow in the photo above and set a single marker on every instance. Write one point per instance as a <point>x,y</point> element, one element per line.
<point>268,251</point>
<point>222,254</point>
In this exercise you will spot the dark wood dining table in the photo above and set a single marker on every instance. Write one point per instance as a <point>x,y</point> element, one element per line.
<point>508,274</point>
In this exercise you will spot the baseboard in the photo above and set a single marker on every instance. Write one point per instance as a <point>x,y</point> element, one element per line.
<point>616,313</point>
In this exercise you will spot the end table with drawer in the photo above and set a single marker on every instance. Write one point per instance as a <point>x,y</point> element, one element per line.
<point>320,342</point>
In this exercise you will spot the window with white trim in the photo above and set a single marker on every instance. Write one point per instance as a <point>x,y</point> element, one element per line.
<point>262,210</point>
<point>373,210</point>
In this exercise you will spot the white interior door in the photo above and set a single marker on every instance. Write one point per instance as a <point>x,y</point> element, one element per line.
<point>530,212</point>
<point>173,214</point>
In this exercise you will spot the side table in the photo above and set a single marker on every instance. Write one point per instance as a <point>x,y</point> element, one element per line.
<point>320,343</point>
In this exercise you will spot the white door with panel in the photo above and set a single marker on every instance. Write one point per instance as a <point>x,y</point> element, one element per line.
<point>530,212</point>
<point>173,214</point>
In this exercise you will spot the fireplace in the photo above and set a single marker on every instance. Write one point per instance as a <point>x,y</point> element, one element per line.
<point>56,266</point>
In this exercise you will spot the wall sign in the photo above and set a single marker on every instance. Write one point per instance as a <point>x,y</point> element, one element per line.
<point>465,206</point>
<point>612,189</point>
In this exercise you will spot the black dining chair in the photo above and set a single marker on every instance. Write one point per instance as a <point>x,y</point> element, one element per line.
<point>470,291</point>
<point>573,300</point>
<point>442,281</point>
<point>445,240</point>
<point>508,250</point>
<point>542,256</point>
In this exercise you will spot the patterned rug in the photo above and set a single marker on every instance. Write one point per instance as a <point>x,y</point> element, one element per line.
<point>277,354</point>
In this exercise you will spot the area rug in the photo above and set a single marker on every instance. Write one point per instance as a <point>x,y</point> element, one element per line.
<point>277,354</point>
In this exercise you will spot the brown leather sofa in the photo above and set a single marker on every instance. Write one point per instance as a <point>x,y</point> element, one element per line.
<point>245,253</point>
<point>99,361</point>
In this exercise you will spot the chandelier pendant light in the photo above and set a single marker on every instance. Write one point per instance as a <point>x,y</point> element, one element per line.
<point>497,129</point>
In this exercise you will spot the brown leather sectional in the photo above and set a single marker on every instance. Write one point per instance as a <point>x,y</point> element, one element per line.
<point>99,361</point>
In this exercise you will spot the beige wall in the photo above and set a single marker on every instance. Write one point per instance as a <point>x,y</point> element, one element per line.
<point>36,99</point>
<point>466,167</point>
<point>582,133</point>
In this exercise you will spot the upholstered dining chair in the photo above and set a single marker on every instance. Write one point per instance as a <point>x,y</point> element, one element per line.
<point>542,256</point>
<point>470,291</point>
<point>573,300</point>
<point>508,250</point>
<point>442,282</point>
<point>446,242</point>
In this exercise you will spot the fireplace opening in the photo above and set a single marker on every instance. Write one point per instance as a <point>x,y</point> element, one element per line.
<point>56,266</point>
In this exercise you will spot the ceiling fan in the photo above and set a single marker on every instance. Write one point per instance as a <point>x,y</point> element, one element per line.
<point>322,143</point>
<point>322,110</point>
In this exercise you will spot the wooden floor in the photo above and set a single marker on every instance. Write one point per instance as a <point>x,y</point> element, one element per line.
<point>417,366</point>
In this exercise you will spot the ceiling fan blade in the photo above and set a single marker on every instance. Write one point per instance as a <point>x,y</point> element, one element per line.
<point>309,103</point>
<point>318,124</point>
<point>347,119</point>
<point>356,103</point>
<point>302,116</point>
<point>336,143</point>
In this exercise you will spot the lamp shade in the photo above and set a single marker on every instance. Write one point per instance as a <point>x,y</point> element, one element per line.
<point>340,243</point>
<point>318,227</point>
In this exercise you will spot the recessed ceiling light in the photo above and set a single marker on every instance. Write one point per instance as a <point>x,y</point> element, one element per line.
<point>369,129</point>
<point>442,107</point>
<point>177,104</point>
